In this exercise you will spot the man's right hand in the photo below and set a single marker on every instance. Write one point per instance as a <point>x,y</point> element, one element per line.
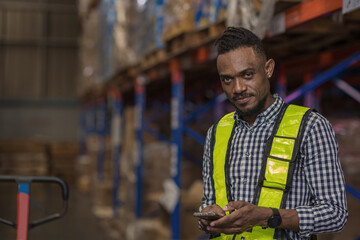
<point>212,208</point>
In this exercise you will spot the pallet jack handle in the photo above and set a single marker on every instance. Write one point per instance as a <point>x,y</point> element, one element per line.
<point>23,199</point>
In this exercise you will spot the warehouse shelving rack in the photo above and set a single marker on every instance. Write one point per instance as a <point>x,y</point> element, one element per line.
<point>288,23</point>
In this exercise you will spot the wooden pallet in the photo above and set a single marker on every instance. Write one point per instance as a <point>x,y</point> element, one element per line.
<point>182,40</point>
<point>23,158</point>
<point>216,29</point>
<point>153,58</point>
<point>63,157</point>
<point>194,39</point>
<point>179,27</point>
<point>23,146</point>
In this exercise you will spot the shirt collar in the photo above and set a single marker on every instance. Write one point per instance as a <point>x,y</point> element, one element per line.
<point>268,115</point>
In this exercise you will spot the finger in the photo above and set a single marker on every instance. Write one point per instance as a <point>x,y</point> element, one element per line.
<point>232,220</point>
<point>204,222</point>
<point>234,205</point>
<point>225,221</point>
<point>214,208</point>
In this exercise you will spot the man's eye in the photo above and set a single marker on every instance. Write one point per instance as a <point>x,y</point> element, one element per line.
<point>248,75</point>
<point>226,79</point>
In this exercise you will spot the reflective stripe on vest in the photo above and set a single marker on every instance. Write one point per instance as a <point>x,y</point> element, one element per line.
<point>275,177</point>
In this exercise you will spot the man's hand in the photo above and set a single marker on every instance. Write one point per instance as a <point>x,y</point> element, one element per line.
<point>213,208</point>
<point>243,216</point>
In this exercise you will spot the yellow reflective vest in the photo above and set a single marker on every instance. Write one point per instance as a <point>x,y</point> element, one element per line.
<point>277,169</point>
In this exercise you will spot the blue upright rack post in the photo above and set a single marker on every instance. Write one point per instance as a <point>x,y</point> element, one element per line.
<point>177,102</point>
<point>139,118</point>
<point>101,131</point>
<point>116,139</point>
<point>159,24</point>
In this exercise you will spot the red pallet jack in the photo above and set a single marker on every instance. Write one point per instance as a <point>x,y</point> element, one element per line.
<point>22,225</point>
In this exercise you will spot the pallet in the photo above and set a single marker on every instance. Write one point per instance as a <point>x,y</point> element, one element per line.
<point>180,41</point>
<point>194,39</point>
<point>217,28</point>
<point>179,27</point>
<point>21,146</point>
<point>152,58</point>
<point>23,163</point>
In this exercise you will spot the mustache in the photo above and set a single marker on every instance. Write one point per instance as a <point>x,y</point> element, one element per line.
<point>241,95</point>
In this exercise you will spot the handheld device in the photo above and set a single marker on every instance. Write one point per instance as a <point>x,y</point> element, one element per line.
<point>207,215</point>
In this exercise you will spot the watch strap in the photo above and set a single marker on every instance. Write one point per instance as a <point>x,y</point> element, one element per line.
<point>275,220</point>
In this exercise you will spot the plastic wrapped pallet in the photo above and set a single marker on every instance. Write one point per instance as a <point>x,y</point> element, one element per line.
<point>88,42</point>
<point>178,18</point>
<point>123,52</point>
<point>105,44</point>
<point>147,24</point>
<point>251,14</point>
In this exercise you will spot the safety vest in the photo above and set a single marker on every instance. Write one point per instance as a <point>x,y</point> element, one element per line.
<point>277,168</point>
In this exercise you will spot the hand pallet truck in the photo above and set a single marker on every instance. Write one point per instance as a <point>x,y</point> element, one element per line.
<point>22,225</point>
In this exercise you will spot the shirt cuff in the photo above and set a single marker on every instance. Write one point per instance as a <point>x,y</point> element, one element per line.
<point>306,221</point>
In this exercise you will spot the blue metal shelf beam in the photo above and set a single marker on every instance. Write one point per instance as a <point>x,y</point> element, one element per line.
<point>197,137</point>
<point>322,78</point>
<point>220,98</point>
<point>156,134</point>
<point>352,191</point>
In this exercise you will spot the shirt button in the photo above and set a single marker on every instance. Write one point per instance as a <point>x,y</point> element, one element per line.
<point>244,181</point>
<point>247,154</point>
<point>251,130</point>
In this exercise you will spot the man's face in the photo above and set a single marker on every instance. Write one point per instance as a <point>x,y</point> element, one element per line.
<point>244,78</point>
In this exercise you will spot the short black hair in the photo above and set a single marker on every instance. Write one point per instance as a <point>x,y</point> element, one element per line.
<point>237,37</point>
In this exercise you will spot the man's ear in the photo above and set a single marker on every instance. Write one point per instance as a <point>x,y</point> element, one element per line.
<point>269,67</point>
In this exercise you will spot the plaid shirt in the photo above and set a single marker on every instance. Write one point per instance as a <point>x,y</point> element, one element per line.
<point>318,188</point>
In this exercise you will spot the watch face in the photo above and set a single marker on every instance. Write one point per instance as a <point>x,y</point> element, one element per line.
<point>274,221</point>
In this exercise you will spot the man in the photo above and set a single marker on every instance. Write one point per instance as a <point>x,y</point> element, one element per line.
<point>270,170</point>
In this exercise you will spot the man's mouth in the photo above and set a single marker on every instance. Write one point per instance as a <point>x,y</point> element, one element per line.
<point>242,99</point>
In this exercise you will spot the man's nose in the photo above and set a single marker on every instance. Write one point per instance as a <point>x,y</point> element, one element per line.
<point>239,85</point>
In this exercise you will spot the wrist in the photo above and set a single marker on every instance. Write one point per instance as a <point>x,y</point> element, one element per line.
<point>266,214</point>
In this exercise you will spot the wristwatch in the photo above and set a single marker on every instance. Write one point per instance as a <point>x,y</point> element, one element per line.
<point>275,220</point>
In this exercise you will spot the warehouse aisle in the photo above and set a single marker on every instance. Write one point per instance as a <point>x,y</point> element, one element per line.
<point>78,223</point>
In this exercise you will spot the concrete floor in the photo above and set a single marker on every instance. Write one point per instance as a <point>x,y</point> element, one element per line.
<point>78,223</point>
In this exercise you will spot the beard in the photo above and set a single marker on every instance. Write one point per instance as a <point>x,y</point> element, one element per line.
<point>253,111</point>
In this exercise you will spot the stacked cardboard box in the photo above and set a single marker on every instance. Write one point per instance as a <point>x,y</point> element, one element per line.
<point>23,158</point>
<point>63,157</point>
<point>178,18</point>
